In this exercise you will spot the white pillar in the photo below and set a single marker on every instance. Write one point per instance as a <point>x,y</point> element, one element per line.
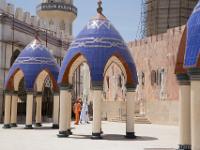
<point>7,110</point>
<point>195,114</point>
<point>130,113</point>
<point>96,124</point>
<point>38,116</point>
<point>65,114</point>
<point>56,110</point>
<point>14,110</point>
<point>184,112</point>
<point>29,110</point>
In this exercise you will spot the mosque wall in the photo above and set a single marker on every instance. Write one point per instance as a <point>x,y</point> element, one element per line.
<point>157,93</point>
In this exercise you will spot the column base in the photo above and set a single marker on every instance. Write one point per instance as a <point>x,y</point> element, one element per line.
<point>13,125</point>
<point>96,136</point>
<point>38,125</point>
<point>63,134</point>
<point>28,127</point>
<point>130,135</point>
<point>185,147</point>
<point>69,132</point>
<point>55,126</point>
<point>6,126</point>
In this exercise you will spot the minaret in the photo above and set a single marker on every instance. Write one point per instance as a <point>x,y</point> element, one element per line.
<point>58,13</point>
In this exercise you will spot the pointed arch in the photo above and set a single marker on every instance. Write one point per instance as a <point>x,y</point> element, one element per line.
<point>75,62</point>
<point>39,81</point>
<point>124,66</point>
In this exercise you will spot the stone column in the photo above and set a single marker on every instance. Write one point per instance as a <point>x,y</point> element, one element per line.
<point>14,110</point>
<point>96,124</point>
<point>29,110</point>
<point>130,113</point>
<point>56,103</point>
<point>65,112</point>
<point>184,112</point>
<point>38,116</point>
<point>7,110</point>
<point>195,111</point>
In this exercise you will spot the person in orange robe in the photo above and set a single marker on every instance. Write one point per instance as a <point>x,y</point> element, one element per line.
<point>77,111</point>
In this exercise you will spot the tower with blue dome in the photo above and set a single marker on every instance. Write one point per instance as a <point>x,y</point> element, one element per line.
<point>34,65</point>
<point>99,45</point>
<point>188,76</point>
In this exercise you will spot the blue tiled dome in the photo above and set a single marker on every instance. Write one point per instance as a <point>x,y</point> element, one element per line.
<point>98,42</point>
<point>193,39</point>
<point>32,60</point>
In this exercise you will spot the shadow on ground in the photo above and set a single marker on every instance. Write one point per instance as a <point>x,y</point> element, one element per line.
<point>115,137</point>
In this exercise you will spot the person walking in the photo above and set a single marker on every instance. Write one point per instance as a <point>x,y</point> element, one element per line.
<point>84,113</point>
<point>77,110</point>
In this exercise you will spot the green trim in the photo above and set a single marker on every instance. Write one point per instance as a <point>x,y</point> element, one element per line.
<point>97,85</point>
<point>67,87</point>
<point>183,79</point>
<point>194,74</point>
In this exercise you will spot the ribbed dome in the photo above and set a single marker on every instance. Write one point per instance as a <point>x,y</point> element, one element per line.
<point>193,39</point>
<point>98,42</point>
<point>32,60</point>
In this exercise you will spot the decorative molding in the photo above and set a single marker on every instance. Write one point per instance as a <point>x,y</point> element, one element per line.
<point>131,87</point>
<point>97,24</point>
<point>97,85</point>
<point>93,42</point>
<point>66,87</point>
<point>194,74</point>
<point>183,79</point>
<point>35,60</point>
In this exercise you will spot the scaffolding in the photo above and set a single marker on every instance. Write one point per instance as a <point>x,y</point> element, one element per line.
<point>159,15</point>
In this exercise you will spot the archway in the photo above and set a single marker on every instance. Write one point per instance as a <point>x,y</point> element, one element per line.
<point>21,106</point>
<point>81,87</point>
<point>46,99</point>
<point>114,102</point>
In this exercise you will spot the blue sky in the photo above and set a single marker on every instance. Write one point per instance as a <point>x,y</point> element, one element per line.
<point>124,14</point>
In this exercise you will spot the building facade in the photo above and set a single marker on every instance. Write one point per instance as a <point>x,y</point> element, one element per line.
<point>157,92</point>
<point>160,15</point>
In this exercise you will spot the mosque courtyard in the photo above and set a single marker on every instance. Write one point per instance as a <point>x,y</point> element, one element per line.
<point>150,137</point>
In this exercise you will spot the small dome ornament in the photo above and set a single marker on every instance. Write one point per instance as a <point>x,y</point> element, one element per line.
<point>100,9</point>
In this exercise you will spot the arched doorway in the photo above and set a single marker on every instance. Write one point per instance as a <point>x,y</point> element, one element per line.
<point>22,97</point>
<point>81,86</point>
<point>114,104</point>
<point>47,100</point>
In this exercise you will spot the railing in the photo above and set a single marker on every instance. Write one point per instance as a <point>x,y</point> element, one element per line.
<point>57,6</point>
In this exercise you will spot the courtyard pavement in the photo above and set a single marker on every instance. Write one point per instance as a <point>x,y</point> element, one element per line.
<point>150,137</point>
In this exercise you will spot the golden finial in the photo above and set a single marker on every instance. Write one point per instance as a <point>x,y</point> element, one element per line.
<point>99,9</point>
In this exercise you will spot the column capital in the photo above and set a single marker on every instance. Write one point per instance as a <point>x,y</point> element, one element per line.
<point>194,74</point>
<point>15,93</point>
<point>56,94</point>
<point>97,85</point>
<point>38,93</point>
<point>30,92</point>
<point>183,79</point>
<point>66,87</point>
<point>131,87</point>
<point>8,92</point>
